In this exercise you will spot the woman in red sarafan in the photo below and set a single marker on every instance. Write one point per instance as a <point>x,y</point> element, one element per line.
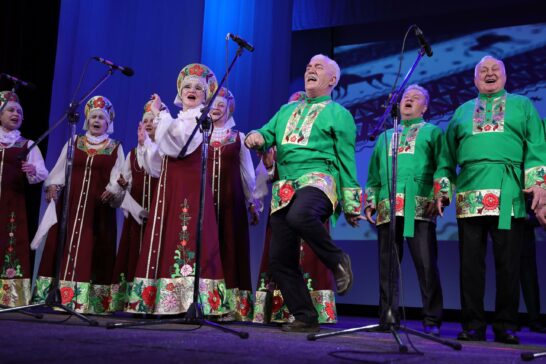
<point>139,186</point>
<point>166,265</point>
<point>233,183</point>
<point>15,271</point>
<point>90,246</point>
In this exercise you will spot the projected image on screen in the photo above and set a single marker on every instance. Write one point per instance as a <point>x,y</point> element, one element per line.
<point>369,70</point>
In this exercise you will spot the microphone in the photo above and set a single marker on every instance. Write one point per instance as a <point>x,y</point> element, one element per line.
<point>18,81</point>
<point>241,42</point>
<point>423,42</point>
<point>127,71</point>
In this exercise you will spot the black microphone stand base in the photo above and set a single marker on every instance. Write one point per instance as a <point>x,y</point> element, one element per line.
<point>395,331</point>
<point>35,315</point>
<point>192,317</point>
<point>52,301</point>
<point>528,356</point>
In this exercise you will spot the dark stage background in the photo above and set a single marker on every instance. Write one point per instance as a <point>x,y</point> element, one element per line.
<point>49,44</point>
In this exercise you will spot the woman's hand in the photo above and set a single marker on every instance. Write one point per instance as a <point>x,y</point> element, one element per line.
<point>52,192</point>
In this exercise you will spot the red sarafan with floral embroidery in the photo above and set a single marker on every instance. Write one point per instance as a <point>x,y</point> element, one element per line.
<point>165,270</point>
<point>230,206</point>
<point>88,260</point>
<point>132,234</point>
<point>14,239</point>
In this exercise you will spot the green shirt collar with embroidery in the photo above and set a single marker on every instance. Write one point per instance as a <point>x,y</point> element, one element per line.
<point>316,100</point>
<point>492,96</point>
<point>413,121</point>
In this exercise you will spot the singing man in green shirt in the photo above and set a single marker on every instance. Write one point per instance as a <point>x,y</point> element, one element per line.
<point>419,148</point>
<point>497,140</point>
<point>315,140</point>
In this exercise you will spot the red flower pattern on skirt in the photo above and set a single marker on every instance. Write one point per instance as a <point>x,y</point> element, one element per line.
<point>245,307</point>
<point>329,308</point>
<point>148,295</point>
<point>214,299</point>
<point>277,304</point>
<point>67,294</point>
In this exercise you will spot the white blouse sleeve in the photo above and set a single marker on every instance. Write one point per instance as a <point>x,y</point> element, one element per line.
<point>150,157</point>
<point>172,134</point>
<point>262,181</point>
<point>247,172</point>
<point>57,174</point>
<point>35,158</point>
<point>126,172</point>
<point>116,171</point>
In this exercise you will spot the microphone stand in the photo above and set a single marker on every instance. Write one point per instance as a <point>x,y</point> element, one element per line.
<point>53,299</point>
<point>194,315</point>
<point>393,263</point>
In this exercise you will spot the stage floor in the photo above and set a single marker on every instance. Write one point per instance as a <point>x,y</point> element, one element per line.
<point>59,338</point>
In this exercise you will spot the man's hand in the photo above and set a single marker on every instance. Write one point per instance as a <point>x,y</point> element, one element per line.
<point>354,220</point>
<point>368,212</point>
<point>440,203</point>
<point>254,141</point>
<point>432,209</point>
<point>539,198</point>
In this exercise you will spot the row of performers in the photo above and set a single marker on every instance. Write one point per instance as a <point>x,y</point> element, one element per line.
<point>153,269</point>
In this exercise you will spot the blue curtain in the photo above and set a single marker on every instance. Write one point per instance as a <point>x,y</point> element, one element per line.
<point>259,80</point>
<point>156,39</point>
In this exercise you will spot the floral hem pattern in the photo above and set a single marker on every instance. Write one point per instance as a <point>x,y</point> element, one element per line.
<point>352,200</point>
<point>82,297</point>
<point>443,188</point>
<point>15,292</point>
<point>535,176</point>
<point>421,203</point>
<point>323,300</point>
<point>479,203</point>
<point>171,296</point>
<point>284,190</point>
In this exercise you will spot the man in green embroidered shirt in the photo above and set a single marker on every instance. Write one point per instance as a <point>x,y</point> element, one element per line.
<point>498,142</point>
<point>418,152</point>
<point>315,140</point>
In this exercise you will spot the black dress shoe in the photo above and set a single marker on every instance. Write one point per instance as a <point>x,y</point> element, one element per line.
<point>343,275</point>
<point>471,335</point>
<point>300,326</point>
<point>538,328</point>
<point>506,337</point>
<point>433,330</point>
